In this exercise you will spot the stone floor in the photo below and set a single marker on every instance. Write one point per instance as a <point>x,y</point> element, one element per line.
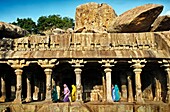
<point>84,107</point>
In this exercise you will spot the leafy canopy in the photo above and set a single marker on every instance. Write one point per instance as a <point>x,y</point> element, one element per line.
<point>45,23</point>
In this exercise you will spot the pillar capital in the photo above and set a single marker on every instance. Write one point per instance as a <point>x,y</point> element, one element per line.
<point>166,64</point>
<point>107,63</point>
<point>137,64</point>
<point>48,63</point>
<point>17,64</point>
<point>77,63</point>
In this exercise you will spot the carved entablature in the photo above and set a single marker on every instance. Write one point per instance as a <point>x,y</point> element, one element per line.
<point>86,41</point>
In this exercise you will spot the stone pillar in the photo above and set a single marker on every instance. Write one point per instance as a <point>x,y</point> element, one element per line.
<point>130,90</point>
<point>18,73</point>
<point>104,89</point>
<point>3,90</point>
<point>36,89</point>
<point>28,99</point>
<point>137,70</point>
<point>107,68</point>
<point>78,84</point>
<point>48,73</point>
<point>123,81</point>
<point>48,65</point>
<point>166,64</point>
<point>77,65</point>
<point>17,65</point>
<point>168,84</point>
<point>108,84</point>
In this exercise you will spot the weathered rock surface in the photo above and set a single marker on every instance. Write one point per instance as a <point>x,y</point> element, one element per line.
<point>138,19</point>
<point>93,17</point>
<point>162,23</point>
<point>11,31</point>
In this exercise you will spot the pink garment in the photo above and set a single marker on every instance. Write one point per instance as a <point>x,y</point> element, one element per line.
<point>66,93</point>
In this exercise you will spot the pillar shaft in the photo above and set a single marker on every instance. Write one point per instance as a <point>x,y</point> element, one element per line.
<point>3,90</point>
<point>130,91</point>
<point>78,84</point>
<point>18,73</point>
<point>104,89</point>
<point>28,99</point>
<point>48,73</point>
<point>138,85</point>
<point>168,84</point>
<point>108,85</point>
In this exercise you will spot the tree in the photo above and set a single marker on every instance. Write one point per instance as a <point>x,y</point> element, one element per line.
<point>45,23</point>
<point>54,21</point>
<point>27,24</point>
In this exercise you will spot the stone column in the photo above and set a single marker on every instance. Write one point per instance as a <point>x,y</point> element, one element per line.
<point>104,89</point>
<point>137,70</point>
<point>28,99</point>
<point>36,89</point>
<point>48,65</point>
<point>108,84</point>
<point>77,64</point>
<point>18,73</point>
<point>17,65</point>
<point>168,83</point>
<point>166,64</point>
<point>130,90</point>
<point>48,73</point>
<point>107,65</point>
<point>123,81</point>
<point>78,84</point>
<point>3,90</point>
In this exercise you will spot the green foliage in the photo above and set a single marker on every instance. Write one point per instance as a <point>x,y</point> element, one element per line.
<point>45,23</point>
<point>54,21</point>
<point>26,23</point>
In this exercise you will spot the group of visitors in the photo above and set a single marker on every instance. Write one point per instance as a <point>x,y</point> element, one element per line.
<point>66,93</point>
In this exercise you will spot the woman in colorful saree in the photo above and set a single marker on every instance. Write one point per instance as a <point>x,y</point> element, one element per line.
<point>66,93</point>
<point>73,93</point>
<point>54,94</point>
<point>115,93</point>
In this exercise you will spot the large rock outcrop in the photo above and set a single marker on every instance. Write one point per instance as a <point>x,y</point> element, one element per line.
<point>93,17</point>
<point>11,31</point>
<point>138,19</point>
<point>162,23</point>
